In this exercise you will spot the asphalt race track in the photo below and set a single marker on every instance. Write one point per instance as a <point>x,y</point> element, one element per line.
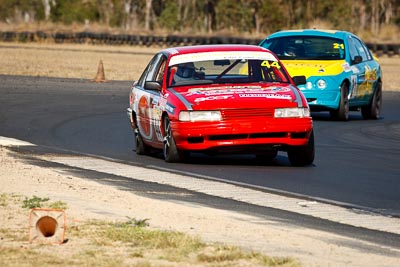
<point>357,162</point>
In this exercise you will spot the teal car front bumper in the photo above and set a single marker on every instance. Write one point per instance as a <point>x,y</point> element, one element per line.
<point>322,93</point>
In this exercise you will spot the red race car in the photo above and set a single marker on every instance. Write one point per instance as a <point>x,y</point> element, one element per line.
<point>220,99</point>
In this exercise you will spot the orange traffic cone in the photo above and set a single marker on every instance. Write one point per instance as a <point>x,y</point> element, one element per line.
<point>100,77</point>
<point>47,226</point>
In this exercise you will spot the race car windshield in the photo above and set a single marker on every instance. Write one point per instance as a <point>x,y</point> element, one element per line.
<point>222,71</point>
<point>306,48</point>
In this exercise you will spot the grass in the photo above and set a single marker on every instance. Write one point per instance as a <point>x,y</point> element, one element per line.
<point>173,247</point>
<point>3,200</point>
<point>37,202</point>
<point>6,199</point>
<point>34,202</point>
<point>127,243</point>
<point>60,205</point>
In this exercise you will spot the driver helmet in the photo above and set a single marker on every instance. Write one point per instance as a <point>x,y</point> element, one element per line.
<point>294,50</point>
<point>185,72</point>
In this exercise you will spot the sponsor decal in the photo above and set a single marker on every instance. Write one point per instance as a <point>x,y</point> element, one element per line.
<point>353,86</point>
<point>169,108</point>
<point>363,85</point>
<point>355,69</point>
<point>154,100</point>
<point>346,67</point>
<point>149,115</point>
<point>200,90</point>
<point>370,74</point>
<point>156,114</point>
<point>212,98</point>
<point>234,55</point>
<point>162,102</point>
<point>144,117</point>
<point>236,90</point>
<point>271,96</point>
<point>244,95</point>
<point>156,121</point>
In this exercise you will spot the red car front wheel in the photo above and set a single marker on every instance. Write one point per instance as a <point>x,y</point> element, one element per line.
<point>171,152</point>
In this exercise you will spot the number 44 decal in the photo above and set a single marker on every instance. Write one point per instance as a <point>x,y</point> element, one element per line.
<point>267,64</point>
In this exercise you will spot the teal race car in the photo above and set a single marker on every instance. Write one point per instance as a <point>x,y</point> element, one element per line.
<point>342,74</point>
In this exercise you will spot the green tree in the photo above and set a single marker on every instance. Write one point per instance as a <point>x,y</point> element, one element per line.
<point>169,17</point>
<point>338,13</point>
<point>6,10</point>
<point>234,16</point>
<point>70,11</point>
<point>206,16</point>
<point>271,16</point>
<point>17,11</point>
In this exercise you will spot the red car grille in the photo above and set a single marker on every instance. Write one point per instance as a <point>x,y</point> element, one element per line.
<point>233,114</point>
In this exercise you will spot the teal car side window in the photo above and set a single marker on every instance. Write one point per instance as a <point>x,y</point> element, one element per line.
<point>357,48</point>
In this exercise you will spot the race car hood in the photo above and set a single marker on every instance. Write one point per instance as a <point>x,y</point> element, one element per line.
<point>246,96</point>
<point>315,67</point>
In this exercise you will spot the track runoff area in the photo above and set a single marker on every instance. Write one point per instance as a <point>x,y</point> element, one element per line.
<point>319,208</point>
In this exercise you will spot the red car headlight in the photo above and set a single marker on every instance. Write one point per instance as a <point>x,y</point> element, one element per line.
<point>291,113</point>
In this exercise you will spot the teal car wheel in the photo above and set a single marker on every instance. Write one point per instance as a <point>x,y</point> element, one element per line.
<point>342,113</point>
<point>373,110</point>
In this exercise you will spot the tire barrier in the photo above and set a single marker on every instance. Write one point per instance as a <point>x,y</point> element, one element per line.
<point>47,226</point>
<point>153,40</point>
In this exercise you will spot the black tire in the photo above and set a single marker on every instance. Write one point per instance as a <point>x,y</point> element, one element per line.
<point>342,113</point>
<point>141,147</point>
<point>303,155</point>
<point>373,110</point>
<point>171,152</point>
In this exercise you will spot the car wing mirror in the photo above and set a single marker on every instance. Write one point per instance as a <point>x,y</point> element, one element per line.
<point>152,85</point>
<point>298,80</point>
<point>356,60</point>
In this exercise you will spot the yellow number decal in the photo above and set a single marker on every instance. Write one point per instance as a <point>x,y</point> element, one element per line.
<point>265,63</point>
<point>338,46</point>
<point>274,64</point>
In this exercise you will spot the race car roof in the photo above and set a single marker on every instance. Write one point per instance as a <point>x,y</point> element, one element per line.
<point>311,32</point>
<point>212,48</point>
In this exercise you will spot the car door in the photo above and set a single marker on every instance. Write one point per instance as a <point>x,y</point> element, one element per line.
<point>364,72</point>
<point>148,113</point>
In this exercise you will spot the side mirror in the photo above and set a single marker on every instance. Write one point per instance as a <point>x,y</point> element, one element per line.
<point>298,80</point>
<point>356,60</point>
<point>152,85</point>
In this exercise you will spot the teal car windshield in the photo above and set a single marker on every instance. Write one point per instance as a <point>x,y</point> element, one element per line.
<point>306,48</point>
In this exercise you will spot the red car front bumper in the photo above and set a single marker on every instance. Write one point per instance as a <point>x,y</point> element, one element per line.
<point>272,133</point>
